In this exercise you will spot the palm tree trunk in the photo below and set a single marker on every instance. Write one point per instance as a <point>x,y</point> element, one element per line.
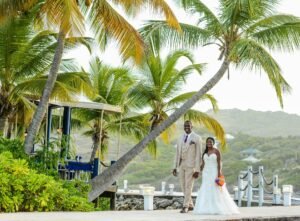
<point>42,107</point>
<point>9,130</point>
<point>101,182</point>
<point>96,144</point>
<point>3,123</point>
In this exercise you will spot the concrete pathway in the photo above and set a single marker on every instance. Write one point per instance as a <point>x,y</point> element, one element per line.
<point>253,213</point>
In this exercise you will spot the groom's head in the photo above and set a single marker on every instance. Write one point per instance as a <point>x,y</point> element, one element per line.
<point>187,126</point>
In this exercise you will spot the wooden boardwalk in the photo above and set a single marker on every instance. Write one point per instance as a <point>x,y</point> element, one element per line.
<point>247,214</point>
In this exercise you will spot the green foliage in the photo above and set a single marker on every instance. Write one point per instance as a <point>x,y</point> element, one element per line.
<point>22,189</point>
<point>14,146</point>
<point>43,161</point>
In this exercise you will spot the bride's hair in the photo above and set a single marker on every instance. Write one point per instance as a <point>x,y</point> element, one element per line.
<point>206,148</point>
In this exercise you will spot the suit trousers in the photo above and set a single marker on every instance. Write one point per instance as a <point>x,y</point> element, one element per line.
<point>187,182</point>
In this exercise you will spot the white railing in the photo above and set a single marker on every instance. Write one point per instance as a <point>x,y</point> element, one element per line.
<point>246,188</point>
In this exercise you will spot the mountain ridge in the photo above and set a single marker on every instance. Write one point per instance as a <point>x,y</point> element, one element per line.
<point>258,123</point>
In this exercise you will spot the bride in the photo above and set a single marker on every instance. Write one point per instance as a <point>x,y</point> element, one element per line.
<point>211,198</point>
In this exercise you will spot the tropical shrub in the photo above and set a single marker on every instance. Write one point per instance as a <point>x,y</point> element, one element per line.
<point>23,189</point>
<point>14,146</point>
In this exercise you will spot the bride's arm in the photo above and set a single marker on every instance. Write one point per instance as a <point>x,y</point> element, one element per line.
<point>202,165</point>
<point>219,162</point>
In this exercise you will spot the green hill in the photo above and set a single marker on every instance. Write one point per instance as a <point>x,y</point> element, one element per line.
<point>257,123</point>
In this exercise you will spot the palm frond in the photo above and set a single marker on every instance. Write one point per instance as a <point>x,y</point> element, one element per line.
<point>171,61</point>
<point>178,100</point>
<point>13,7</point>
<point>179,77</point>
<point>78,82</point>
<point>190,37</point>
<point>73,42</point>
<point>104,17</point>
<point>157,6</point>
<point>141,95</point>
<point>206,16</point>
<point>240,12</point>
<point>284,36</point>
<point>248,53</point>
<point>64,14</point>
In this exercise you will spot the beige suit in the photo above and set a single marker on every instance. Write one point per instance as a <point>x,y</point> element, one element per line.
<point>187,161</point>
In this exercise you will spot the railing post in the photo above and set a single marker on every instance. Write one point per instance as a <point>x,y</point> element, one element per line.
<point>276,191</point>
<point>125,185</point>
<point>250,184</point>
<point>240,190</point>
<point>163,187</point>
<point>287,191</point>
<point>261,186</point>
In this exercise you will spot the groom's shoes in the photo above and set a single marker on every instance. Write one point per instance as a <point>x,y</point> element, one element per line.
<point>191,208</point>
<point>184,210</point>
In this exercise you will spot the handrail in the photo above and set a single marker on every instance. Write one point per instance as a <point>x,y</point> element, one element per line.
<point>244,176</point>
<point>265,181</point>
<point>262,185</point>
<point>254,172</point>
<point>254,186</point>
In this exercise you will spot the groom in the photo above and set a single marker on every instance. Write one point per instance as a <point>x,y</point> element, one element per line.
<point>187,161</point>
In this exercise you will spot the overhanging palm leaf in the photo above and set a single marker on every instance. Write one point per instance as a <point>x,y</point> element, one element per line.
<point>251,54</point>
<point>180,99</point>
<point>191,36</point>
<point>159,6</point>
<point>12,7</point>
<point>282,36</point>
<point>205,15</point>
<point>65,89</point>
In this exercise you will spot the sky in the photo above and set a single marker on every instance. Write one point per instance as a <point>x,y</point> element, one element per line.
<point>244,89</point>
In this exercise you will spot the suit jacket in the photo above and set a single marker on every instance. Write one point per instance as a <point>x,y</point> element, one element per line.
<point>191,150</point>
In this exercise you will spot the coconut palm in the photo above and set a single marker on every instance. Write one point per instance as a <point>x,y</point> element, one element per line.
<point>111,86</point>
<point>68,17</point>
<point>25,56</point>
<point>159,91</point>
<point>244,31</point>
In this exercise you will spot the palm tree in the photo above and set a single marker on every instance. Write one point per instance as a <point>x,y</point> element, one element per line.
<point>159,87</point>
<point>243,30</point>
<point>110,85</point>
<point>67,16</point>
<point>25,56</point>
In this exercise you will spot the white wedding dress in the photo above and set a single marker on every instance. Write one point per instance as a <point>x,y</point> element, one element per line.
<point>211,198</point>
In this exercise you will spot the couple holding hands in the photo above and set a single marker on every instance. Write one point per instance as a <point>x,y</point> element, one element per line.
<point>213,196</point>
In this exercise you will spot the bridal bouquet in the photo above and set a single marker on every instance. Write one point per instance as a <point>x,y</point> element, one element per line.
<point>220,180</point>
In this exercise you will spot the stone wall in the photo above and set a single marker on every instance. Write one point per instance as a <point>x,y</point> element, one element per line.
<point>136,202</point>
